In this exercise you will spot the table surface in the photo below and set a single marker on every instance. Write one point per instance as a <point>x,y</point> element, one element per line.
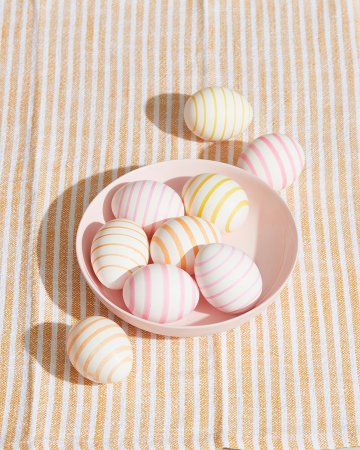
<point>92,89</point>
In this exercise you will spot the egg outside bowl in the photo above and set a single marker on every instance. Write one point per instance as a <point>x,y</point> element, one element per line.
<point>268,235</point>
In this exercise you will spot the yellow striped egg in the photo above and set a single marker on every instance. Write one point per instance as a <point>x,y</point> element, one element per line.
<point>228,278</point>
<point>217,113</point>
<point>177,241</point>
<point>148,203</point>
<point>161,293</point>
<point>100,350</point>
<point>216,198</point>
<point>118,248</point>
<point>275,158</point>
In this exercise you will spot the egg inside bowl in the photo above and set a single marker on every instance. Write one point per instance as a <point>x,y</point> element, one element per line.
<point>268,235</point>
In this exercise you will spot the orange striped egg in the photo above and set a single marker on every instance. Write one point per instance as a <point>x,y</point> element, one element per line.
<point>100,350</point>
<point>275,158</point>
<point>160,293</point>
<point>118,248</point>
<point>216,198</point>
<point>217,113</point>
<point>148,203</point>
<point>228,278</point>
<point>177,241</point>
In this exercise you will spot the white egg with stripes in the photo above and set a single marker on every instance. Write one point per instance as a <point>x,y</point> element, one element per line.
<point>119,247</point>
<point>217,113</point>
<point>178,240</point>
<point>148,203</point>
<point>276,158</point>
<point>161,293</point>
<point>228,278</point>
<point>216,198</point>
<point>100,350</point>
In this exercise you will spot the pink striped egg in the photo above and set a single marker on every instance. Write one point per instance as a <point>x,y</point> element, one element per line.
<point>228,278</point>
<point>100,350</point>
<point>178,240</point>
<point>148,203</point>
<point>217,113</point>
<point>118,248</point>
<point>275,158</point>
<point>216,198</point>
<point>160,293</point>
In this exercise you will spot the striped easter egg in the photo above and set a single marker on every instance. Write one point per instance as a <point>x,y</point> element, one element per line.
<point>148,203</point>
<point>178,240</point>
<point>118,248</point>
<point>160,293</point>
<point>216,198</point>
<point>275,158</point>
<point>217,113</point>
<point>227,278</point>
<point>100,350</point>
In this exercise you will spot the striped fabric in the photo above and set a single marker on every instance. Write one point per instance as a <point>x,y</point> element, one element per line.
<point>90,89</point>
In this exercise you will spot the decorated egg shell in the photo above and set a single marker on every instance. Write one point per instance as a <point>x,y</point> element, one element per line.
<point>275,158</point>
<point>148,203</point>
<point>178,240</point>
<point>118,248</point>
<point>160,293</point>
<point>228,278</point>
<point>216,198</point>
<point>217,113</point>
<point>100,350</point>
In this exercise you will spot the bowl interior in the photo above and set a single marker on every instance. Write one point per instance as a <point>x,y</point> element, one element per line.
<point>268,235</point>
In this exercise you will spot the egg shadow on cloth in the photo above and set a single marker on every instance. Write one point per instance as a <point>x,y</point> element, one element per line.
<point>53,333</point>
<point>166,111</point>
<point>56,255</point>
<point>219,151</point>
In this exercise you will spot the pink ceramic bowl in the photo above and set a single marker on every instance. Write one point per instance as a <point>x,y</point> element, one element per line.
<point>268,235</point>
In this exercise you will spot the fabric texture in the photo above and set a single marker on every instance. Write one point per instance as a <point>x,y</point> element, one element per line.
<point>94,88</point>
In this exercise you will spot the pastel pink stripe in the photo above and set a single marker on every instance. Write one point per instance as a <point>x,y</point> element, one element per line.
<point>245,308</point>
<point>182,294</point>
<point>288,153</point>
<point>201,263</point>
<point>277,157</point>
<point>129,200</point>
<point>120,201</point>
<point>243,294</point>
<point>132,294</point>
<point>148,203</point>
<point>245,158</point>
<point>195,294</point>
<point>299,153</point>
<point>166,287</point>
<point>168,207</point>
<point>263,163</point>
<point>214,283</point>
<point>137,203</point>
<point>147,280</point>
<point>216,267</point>
<point>156,213</point>
<point>237,281</point>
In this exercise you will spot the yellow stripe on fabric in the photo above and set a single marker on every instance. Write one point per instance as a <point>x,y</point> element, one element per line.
<point>209,194</point>
<point>221,201</point>
<point>226,113</point>
<point>200,185</point>
<point>196,112</point>
<point>216,113</point>
<point>204,104</point>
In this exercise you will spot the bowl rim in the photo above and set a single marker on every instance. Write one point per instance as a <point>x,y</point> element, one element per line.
<point>184,330</point>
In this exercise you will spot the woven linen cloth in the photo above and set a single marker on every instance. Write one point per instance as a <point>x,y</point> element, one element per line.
<point>91,89</point>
